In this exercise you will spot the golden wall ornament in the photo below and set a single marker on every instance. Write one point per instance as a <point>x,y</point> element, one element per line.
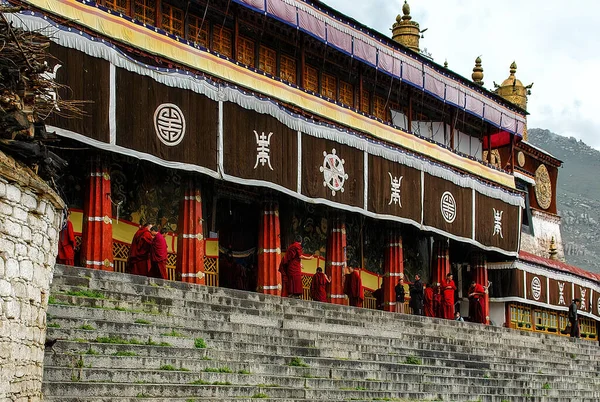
<point>495,159</point>
<point>543,187</point>
<point>521,158</point>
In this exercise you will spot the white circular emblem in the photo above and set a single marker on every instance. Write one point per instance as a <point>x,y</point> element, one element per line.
<point>536,288</point>
<point>333,172</point>
<point>169,124</point>
<point>448,206</point>
<point>598,306</point>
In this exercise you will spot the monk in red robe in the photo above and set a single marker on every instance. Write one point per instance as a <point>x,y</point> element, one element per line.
<point>428,301</point>
<point>66,244</point>
<point>476,303</point>
<point>438,302</point>
<point>139,254</point>
<point>317,286</point>
<point>292,267</point>
<point>158,254</point>
<point>448,289</point>
<point>353,288</point>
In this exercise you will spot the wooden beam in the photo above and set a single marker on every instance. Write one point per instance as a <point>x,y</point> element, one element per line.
<point>236,33</point>
<point>158,14</point>
<point>453,115</point>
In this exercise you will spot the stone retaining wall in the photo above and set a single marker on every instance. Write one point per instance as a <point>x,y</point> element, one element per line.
<point>30,215</point>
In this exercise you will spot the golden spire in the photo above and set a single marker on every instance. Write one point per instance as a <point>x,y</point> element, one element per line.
<point>446,63</point>
<point>405,31</point>
<point>553,250</point>
<point>477,75</point>
<point>514,91</point>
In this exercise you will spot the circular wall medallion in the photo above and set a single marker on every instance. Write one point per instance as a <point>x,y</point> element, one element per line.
<point>521,158</point>
<point>543,187</point>
<point>169,124</point>
<point>536,288</point>
<point>448,207</point>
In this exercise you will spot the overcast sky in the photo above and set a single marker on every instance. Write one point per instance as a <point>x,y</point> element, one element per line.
<point>555,44</point>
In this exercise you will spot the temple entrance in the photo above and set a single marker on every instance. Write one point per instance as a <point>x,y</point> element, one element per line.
<point>237,227</point>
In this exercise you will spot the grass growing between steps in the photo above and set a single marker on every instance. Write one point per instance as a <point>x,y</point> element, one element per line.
<point>174,333</point>
<point>141,321</point>
<point>199,343</point>
<point>53,325</point>
<point>94,294</point>
<point>122,341</point>
<point>297,362</point>
<point>218,370</point>
<point>259,395</point>
<point>413,360</point>
<point>125,353</point>
<point>87,327</point>
<point>169,367</point>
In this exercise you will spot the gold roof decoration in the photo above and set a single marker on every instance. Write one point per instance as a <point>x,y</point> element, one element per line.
<point>405,31</point>
<point>477,75</point>
<point>513,90</point>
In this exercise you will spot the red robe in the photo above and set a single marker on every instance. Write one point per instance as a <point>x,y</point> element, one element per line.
<point>353,289</point>
<point>293,269</point>
<point>476,304</point>
<point>448,288</point>
<point>428,302</point>
<point>317,287</point>
<point>139,253</point>
<point>438,305</point>
<point>66,245</point>
<point>158,256</point>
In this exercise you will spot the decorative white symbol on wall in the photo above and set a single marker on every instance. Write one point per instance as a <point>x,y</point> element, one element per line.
<point>536,288</point>
<point>51,95</point>
<point>448,207</point>
<point>169,124</point>
<point>582,291</point>
<point>395,188</point>
<point>333,172</point>
<point>598,306</point>
<point>498,223</point>
<point>262,148</point>
<point>561,293</point>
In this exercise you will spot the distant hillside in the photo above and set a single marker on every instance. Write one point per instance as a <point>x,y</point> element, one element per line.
<point>578,196</point>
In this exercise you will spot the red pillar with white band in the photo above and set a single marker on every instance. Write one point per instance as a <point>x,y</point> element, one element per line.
<point>96,242</point>
<point>190,240</point>
<point>481,277</point>
<point>269,250</point>
<point>441,260</point>
<point>394,269</point>
<point>336,262</point>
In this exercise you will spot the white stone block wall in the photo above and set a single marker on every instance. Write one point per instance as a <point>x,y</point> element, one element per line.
<point>545,227</point>
<point>29,227</point>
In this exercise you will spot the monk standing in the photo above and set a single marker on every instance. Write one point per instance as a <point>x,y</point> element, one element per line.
<point>293,268</point>
<point>317,286</point>
<point>428,301</point>
<point>400,296</point>
<point>158,254</point>
<point>353,288</point>
<point>476,303</point>
<point>66,243</point>
<point>448,289</point>
<point>139,254</point>
<point>438,302</point>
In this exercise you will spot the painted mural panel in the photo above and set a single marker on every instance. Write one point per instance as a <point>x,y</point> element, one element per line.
<point>496,223</point>
<point>170,123</point>
<point>394,189</point>
<point>448,207</point>
<point>257,146</point>
<point>86,79</point>
<point>332,171</point>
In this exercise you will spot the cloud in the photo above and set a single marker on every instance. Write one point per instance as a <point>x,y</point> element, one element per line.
<point>554,45</point>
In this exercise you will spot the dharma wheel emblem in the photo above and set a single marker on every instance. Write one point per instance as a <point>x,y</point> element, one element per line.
<point>448,207</point>
<point>333,172</point>
<point>169,124</point>
<point>543,187</point>
<point>536,288</point>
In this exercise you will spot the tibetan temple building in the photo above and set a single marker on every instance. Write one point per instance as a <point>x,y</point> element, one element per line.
<point>240,124</point>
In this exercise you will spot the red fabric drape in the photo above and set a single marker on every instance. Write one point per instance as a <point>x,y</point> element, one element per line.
<point>440,261</point>
<point>96,242</point>
<point>393,269</point>
<point>336,261</point>
<point>190,240</point>
<point>269,250</point>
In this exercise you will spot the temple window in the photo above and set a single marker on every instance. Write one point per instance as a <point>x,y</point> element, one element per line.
<point>328,86</point>
<point>311,79</point>
<point>245,51</point>
<point>121,6</point>
<point>365,102</point>
<point>287,69</point>
<point>145,11</point>
<point>267,60</point>
<point>222,40</point>
<point>379,108</point>
<point>198,30</point>
<point>346,93</point>
<point>172,20</point>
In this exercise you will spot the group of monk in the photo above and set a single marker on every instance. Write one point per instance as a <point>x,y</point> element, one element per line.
<point>148,253</point>
<point>438,300</point>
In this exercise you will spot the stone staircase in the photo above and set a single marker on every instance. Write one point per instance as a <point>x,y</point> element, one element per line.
<point>130,338</point>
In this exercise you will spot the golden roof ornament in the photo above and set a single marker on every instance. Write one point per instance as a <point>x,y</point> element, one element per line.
<point>477,75</point>
<point>446,63</point>
<point>513,90</point>
<point>553,250</point>
<point>405,31</point>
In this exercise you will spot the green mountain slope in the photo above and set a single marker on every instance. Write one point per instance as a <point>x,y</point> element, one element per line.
<point>578,196</point>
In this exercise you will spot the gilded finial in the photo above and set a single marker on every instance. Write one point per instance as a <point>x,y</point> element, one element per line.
<point>406,11</point>
<point>477,75</point>
<point>553,250</point>
<point>513,68</point>
<point>446,63</point>
<point>405,31</point>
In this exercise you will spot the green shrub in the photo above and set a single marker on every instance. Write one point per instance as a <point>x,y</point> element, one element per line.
<point>297,362</point>
<point>413,360</point>
<point>199,343</point>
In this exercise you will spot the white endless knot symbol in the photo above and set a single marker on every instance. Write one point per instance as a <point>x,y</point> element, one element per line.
<point>536,288</point>
<point>561,293</point>
<point>395,183</point>
<point>582,291</point>
<point>448,206</point>
<point>262,148</point>
<point>498,223</point>
<point>333,172</point>
<point>169,124</point>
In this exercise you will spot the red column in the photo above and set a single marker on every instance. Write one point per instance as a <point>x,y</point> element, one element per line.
<point>336,262</point>
<point>96,244</point>
<point>269,251</point>
<point>441,261</point>
<point>394,269</point>
<point>481,277</point>
<point>190,241</point>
